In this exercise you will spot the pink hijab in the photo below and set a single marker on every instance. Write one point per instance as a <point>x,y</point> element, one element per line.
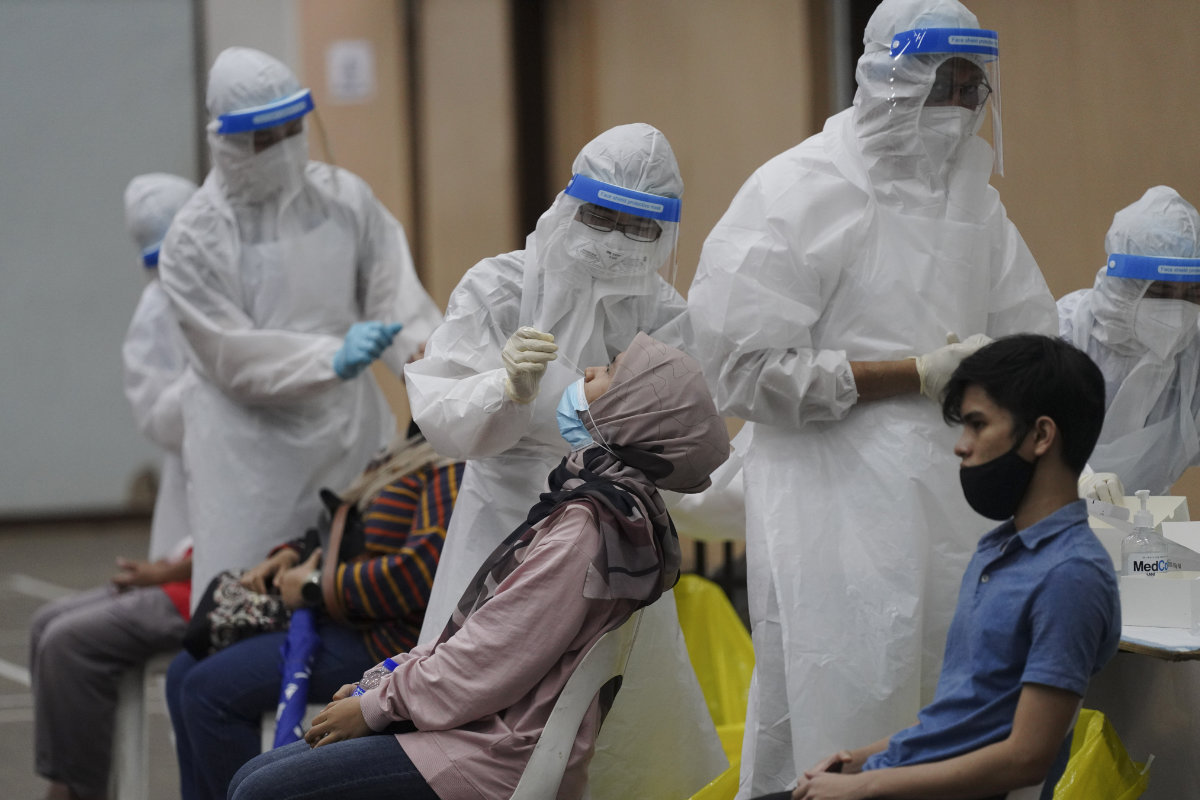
<point>655,427</point>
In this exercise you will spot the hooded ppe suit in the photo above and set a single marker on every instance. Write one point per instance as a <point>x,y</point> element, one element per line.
<point>859,244</point>
<point>1148,348</point>
<point>593,300</point>
<point>267,267</point>
<point>155,358</point>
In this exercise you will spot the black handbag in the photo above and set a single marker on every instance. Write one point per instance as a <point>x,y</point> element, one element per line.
<point>229,612</point>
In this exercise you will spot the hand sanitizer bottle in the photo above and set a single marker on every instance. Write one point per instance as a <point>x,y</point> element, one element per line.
<point>1144,552</point>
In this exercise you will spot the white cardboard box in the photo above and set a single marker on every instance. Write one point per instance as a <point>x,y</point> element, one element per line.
<point>1170,600</point>
<point>1186,533</point>
<point>1163,509</point>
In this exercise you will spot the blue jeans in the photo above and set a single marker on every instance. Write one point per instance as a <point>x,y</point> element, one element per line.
<point>368,768</point>
<point>217,703</point>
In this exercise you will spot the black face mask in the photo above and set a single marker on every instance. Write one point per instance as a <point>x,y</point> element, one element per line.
<point>994,489</point>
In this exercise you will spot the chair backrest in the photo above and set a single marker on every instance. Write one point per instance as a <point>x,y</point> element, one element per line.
<point>604,661</point>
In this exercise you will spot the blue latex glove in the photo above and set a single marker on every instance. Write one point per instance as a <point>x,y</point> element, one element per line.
<point>365,342</point>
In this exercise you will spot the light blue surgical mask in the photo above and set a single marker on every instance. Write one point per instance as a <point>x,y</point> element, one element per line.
<point>572,403</point>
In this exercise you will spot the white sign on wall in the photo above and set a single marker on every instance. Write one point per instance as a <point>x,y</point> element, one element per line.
<point>350,71</point>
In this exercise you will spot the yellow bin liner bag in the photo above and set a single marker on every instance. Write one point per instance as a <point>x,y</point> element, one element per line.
<point>1100,768</point>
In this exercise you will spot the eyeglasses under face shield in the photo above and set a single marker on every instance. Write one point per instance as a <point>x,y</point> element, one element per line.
<point>639,216</point>
<point>631,226</point>
<point>959,82</point>
<point>968,80</point>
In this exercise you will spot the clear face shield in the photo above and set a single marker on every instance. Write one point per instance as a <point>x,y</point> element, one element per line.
<point>625,233</point>
<point>1171,278</point>
<point>262,149</point>
<point>968,79</point>
<point>1164,317</point>
<point>599,256</point>
<point>274,122</point>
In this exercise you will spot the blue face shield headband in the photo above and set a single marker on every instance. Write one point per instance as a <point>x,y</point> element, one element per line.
<point>617,198</point>
<point>1154,268</point>
<point>269,115</point>
<point>946,40</point>
<point>150,256</point>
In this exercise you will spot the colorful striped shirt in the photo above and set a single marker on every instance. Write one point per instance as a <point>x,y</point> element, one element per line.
<point>385,591</point>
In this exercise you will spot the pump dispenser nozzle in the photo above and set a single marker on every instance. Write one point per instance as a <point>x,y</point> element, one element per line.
<point>1142,518</point>
<point>1144,552</point>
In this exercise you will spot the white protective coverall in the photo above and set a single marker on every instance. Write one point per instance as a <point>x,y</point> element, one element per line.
<point>154,355</point>
<point>267,267</point>
<point>458,398</point>
<point>855,245</point>
<point>1147,348</point>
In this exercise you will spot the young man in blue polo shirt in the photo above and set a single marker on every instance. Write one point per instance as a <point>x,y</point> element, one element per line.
<point>1038,612</point>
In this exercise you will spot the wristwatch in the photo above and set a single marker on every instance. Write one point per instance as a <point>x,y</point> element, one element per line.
<point>310,590</point>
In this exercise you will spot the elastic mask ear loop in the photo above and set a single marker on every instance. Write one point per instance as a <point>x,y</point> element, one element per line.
<point>597,436</point>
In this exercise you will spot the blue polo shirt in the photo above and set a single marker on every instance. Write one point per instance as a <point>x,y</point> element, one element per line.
<point>1035,606</point>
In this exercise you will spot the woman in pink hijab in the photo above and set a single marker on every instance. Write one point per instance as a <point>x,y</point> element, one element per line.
<point>467,710</point>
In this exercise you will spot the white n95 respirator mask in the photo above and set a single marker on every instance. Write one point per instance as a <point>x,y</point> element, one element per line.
<point>610,255</point>
<point>1165,326</point>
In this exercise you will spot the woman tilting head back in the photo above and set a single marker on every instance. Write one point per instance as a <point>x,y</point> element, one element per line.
<point>642,423</point>
<point>597,546</point>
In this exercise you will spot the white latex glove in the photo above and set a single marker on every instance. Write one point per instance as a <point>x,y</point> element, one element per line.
<point>936,367</point>
<point>1103,486</point>
<point>526,354</point>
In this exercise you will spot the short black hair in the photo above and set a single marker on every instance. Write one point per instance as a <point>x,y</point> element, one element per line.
<point>1031,376</point>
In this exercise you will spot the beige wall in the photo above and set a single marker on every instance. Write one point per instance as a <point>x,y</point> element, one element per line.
<point>1096,110</point>
<point>728,83</point>
<point>469,188</point>
<point>369,137</point>
<point>462,181</point>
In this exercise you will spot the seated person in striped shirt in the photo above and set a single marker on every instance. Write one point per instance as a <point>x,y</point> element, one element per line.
<point>217,703</point>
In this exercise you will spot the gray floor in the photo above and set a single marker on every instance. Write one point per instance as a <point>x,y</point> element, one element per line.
<point>39,562</point>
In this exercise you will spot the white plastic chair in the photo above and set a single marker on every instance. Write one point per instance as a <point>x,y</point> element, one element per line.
<point>128,776</point>
<point>1028,793</point>
<point>131,744</point>
<point>604,661</point>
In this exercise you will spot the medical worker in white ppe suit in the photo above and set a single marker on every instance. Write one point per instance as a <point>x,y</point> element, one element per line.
<point>871,242</point>
<point>519,328</point>
<point>289,278</point>
<point>1139,324</point>
<point>154,355</point>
